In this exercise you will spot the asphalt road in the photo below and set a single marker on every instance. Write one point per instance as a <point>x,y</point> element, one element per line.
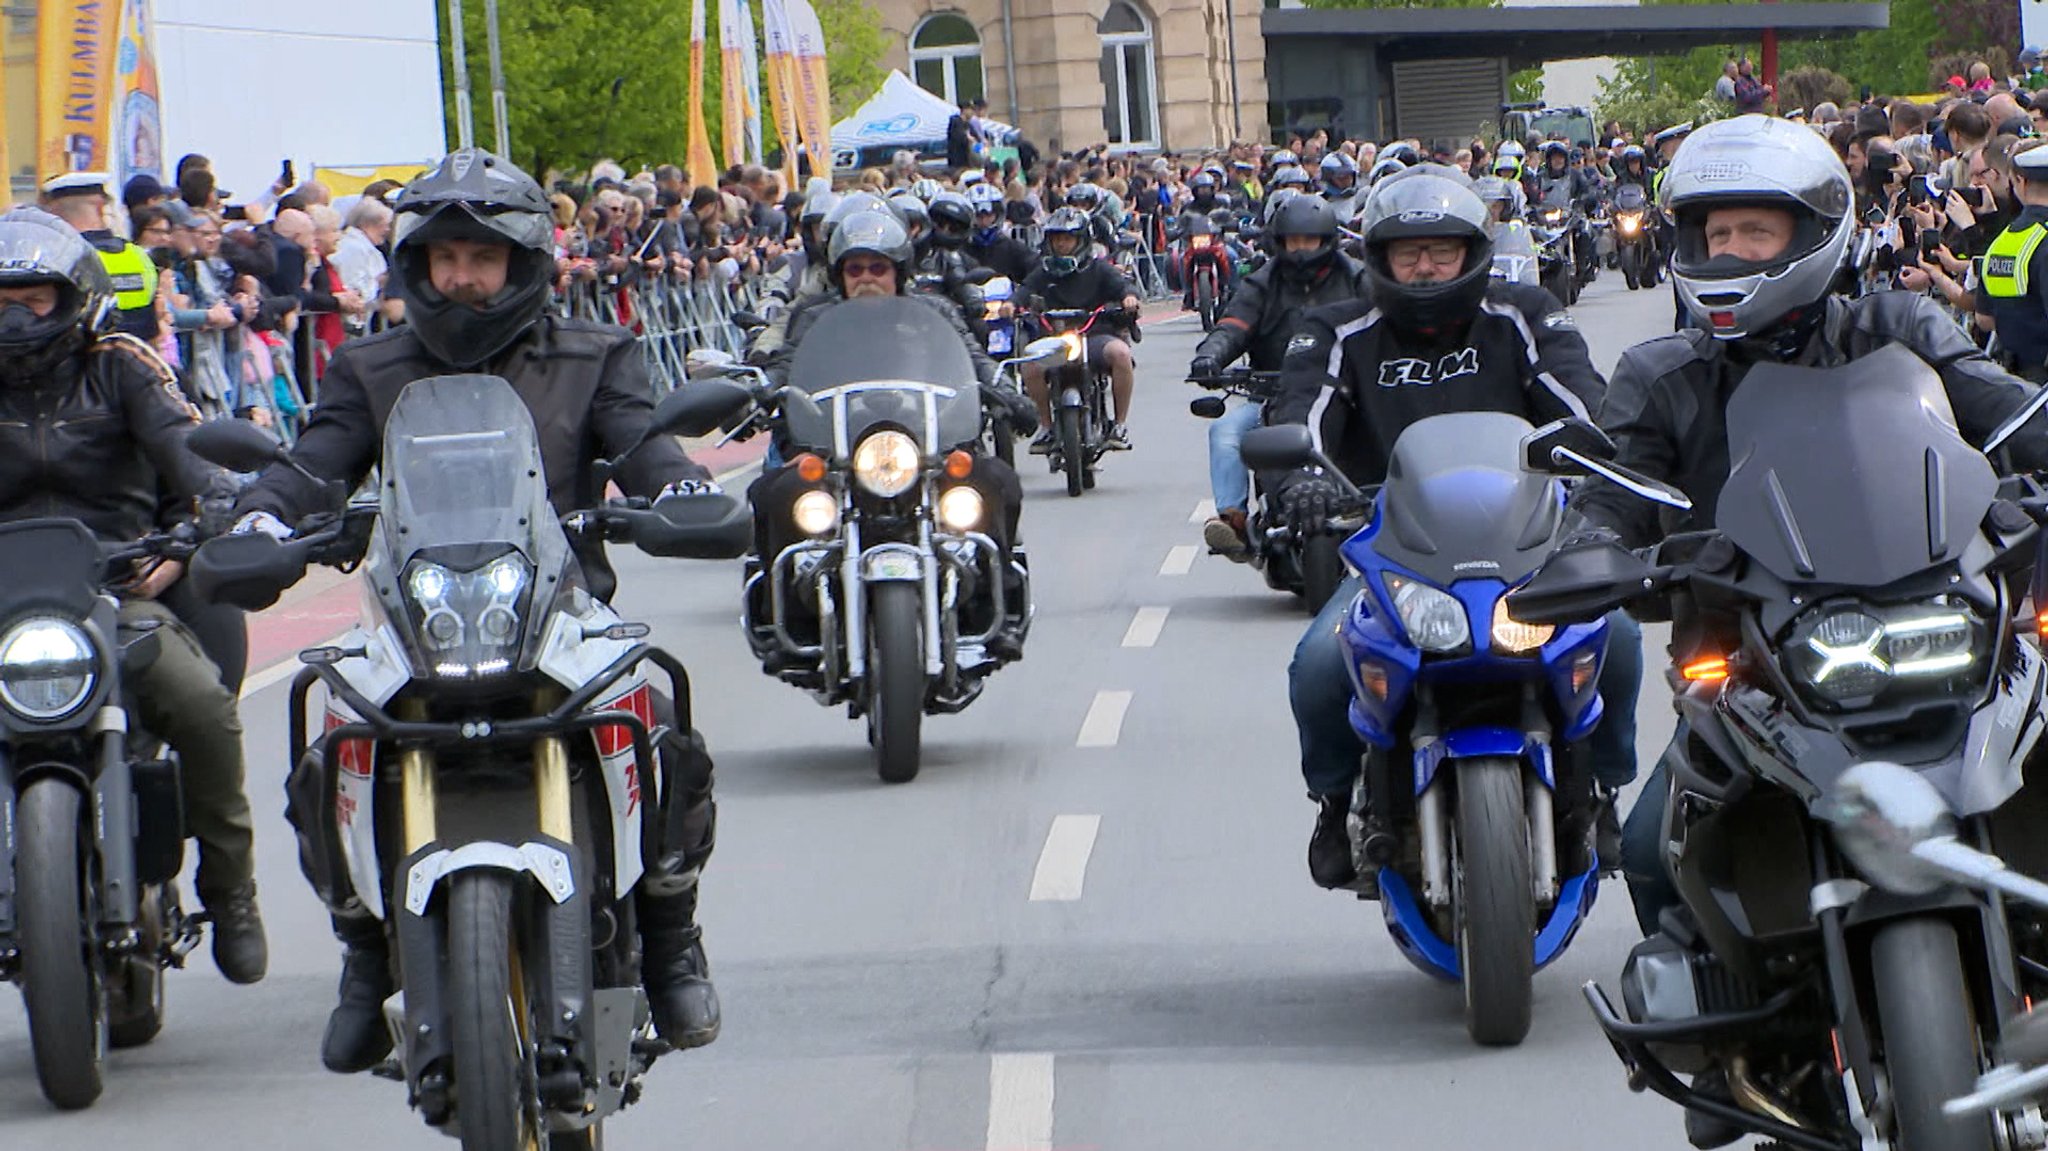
<point>1088,924</point>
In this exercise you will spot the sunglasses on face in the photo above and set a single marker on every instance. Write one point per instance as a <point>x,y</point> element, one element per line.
<point>866,269</point>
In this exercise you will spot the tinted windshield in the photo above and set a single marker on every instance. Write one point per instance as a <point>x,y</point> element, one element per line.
<point>1852,476</point>
<point>1458,504</point>
<point>894,340</point>
<point>462,466</point>
<point>1630,196</point>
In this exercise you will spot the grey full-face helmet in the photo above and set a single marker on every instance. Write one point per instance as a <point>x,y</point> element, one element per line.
<point>1424,202</point>
<point>875,232</point>
<point>1757,161</point>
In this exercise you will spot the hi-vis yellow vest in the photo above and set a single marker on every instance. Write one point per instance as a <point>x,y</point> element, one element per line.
<point>2005,264</point>
<point>134,275</point>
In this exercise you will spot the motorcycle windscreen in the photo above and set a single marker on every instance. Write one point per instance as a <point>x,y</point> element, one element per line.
<point>893,339</point>
<point>1631,198</point>
<point>1457,503</point>
<point>1555,194</point>
<point>1514,253</point>
<point>1853,475</point>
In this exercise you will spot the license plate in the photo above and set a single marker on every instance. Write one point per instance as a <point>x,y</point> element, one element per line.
<point>893,565</point>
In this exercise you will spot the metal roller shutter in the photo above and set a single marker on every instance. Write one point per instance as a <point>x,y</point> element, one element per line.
<point>1447,100</point>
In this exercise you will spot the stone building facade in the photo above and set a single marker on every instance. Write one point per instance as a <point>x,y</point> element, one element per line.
<point>1144,74</point>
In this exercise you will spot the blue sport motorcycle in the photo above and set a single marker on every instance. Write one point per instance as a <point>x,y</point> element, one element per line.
<point>1472,822</point>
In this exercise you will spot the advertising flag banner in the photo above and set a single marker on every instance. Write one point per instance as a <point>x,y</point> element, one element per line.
<point>75,85</point>
<point>702,164</point>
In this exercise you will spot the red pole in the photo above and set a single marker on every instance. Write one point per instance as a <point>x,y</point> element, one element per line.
<point>1769,63</point>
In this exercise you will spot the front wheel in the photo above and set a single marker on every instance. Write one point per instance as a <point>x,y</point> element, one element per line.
<point>895,678</point>
<point>1072,456</point>
<point>1557,280</point>
<point>1205,299</point>
<point>1632,267</point>
<point>1322,569</point>
<point>60,975</point>
<point>493,1097</point>
<point>1496,913</point>
<point>1927,1017</point>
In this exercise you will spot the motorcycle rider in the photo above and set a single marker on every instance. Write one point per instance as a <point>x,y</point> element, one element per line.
<point>1634,167</point>
<point>1559,183</point>
<point>1341,186</point>
<point>472,260</point>
<point>871,257</point>
<point>91,420</point>
<point>1764,212</point>
<point>1070,276</point>
<point>1435,334</point>
<point>816,280</point>
<point>1308,272</point>
<point>991,245</point>
<point>803,271</point>
<point>940,260</point>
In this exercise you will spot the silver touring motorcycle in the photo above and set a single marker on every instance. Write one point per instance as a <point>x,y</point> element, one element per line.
<point>486,746</point>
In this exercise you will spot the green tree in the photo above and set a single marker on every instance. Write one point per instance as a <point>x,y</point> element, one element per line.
<point>563,58</point>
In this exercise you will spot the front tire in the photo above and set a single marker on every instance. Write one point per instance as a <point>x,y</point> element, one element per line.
<point>1558,282</point>
<point>60,974</point>
<point>1072,456</point>
<point>493,1101</point>
<point>895,679</point>
<point>1928,1019</point>
<point>1496,913</point>
<point>1632,267</point>
<point>1322,569</point>
<point>1205,299</point>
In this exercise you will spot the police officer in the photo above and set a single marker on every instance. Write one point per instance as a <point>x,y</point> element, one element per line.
<point>80,200</point>
<point>473,262</point>
<point>2015,282</point>
<point>1435,334</point>
<point>93,427</point>
<point>1307,271</point>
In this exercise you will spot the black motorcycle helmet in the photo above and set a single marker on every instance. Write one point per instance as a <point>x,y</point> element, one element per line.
<point>38,248</point>
<point>1423,202</point>
<point>1556,150</point>
<point>1202,187</point>
<point>952,219</point>
<point>1305,216</point>
<point>473,195</point>
<point>1066,222</point>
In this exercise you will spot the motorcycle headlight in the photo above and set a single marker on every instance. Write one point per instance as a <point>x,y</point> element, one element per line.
<point>48,668</point>
<point>1433,618</point>
<point>815,512</point>
<point>1514,636</point>
<point>1629,224</point>
<point>960,508</point>
<point>886,463</point>
<point>1855,651</point>
<point>470,622</point>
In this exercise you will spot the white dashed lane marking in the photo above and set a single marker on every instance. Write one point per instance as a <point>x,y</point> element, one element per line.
<point>1179,561</point>
<point>1145,627</point>
<point>1105,722</point>
<point>1063,862</point>
<point>1020,1101</point>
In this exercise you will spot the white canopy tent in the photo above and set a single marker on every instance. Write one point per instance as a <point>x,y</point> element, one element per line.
<point>899,115</point>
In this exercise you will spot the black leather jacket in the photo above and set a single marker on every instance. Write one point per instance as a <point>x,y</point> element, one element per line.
<point>1667,403</point>
<point>584,383</point>
<point>1267,307</point>
<point>91,440</point>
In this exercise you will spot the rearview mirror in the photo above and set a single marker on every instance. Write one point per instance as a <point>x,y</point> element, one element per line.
<point>1582,437</point>
<point>237,445</point>
<point>1207,407</point>
<point>1581,584</point>
<point>1282,447</point>
<point>699,407</point>
<point>1044,348</point>
<point>981,276</point>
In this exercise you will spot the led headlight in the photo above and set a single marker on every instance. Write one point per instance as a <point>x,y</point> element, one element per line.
<point>886,463</point>
<point>1856,651</point>
<point>1512,635</point>
<point>960,508</point>
<point>48,668</point>
<point>470,622</point>
<point>815,512</point>
<point>1433,619</point>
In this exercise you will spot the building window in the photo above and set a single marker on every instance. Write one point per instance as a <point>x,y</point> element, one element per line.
<point>945,57</point>
<point>1130,113</point>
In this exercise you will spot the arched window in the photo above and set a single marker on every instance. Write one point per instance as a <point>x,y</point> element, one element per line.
<point>1130,111</point>
<point>945,57</point>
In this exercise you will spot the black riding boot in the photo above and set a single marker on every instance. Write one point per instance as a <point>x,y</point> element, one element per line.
<point>357,1038</point>
<point>673,965</point>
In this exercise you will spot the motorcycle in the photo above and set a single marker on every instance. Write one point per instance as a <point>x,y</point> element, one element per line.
<point>1514,253</point>
<point>484,756</point>
<point>1472,821</point>
<point>1818,998</point>
<point>1553,227</point>
<point>1080,392</point>
<point>897,603</point>
<point>1635,237</point>
<point>1205,265</point>
<point>1002,327</point>
<point>1300,559</point>
<point>91,819</point>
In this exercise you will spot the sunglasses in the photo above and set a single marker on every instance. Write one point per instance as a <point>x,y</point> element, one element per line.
<point>866,269</point>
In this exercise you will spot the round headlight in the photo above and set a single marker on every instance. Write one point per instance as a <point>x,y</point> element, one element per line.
<point>1433,618</point>
<point>815,512</point>
<point>886,463</point>
<point>960,508</point>
<point>1512,635</point>
<point>47,668</point>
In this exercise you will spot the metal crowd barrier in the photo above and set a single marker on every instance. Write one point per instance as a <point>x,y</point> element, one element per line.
<point>670,318</point>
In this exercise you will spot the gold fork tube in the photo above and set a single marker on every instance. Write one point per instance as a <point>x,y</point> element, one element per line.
<point>417,788</point>
<point>551,777</point>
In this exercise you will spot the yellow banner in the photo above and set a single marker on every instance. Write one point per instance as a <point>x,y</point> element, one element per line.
<point>782,83</point>
<point>814,90</point>
<point>703,166</point>
<point>139,133</point>
<point>352,181</point>
<point>733,82</point>
<point>75,85</point>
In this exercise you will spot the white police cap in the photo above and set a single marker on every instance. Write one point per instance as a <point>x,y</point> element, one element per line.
<point>77,184</point>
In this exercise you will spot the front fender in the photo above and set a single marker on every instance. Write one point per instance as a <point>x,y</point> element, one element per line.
<point>1477,742</point>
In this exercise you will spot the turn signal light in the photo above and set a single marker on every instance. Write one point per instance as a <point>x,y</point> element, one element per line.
<point>1374,677</point>
<point>2041,623</point>
<point>959,464</point>
<point>1705,670</point>
<point>809,468</point>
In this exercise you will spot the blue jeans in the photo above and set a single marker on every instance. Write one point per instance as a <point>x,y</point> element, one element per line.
<point>1650,887</point>
<point>1319,690</point>
<point>1228,479</point>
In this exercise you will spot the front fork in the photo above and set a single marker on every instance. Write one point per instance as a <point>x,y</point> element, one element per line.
<point>1432,816</point>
